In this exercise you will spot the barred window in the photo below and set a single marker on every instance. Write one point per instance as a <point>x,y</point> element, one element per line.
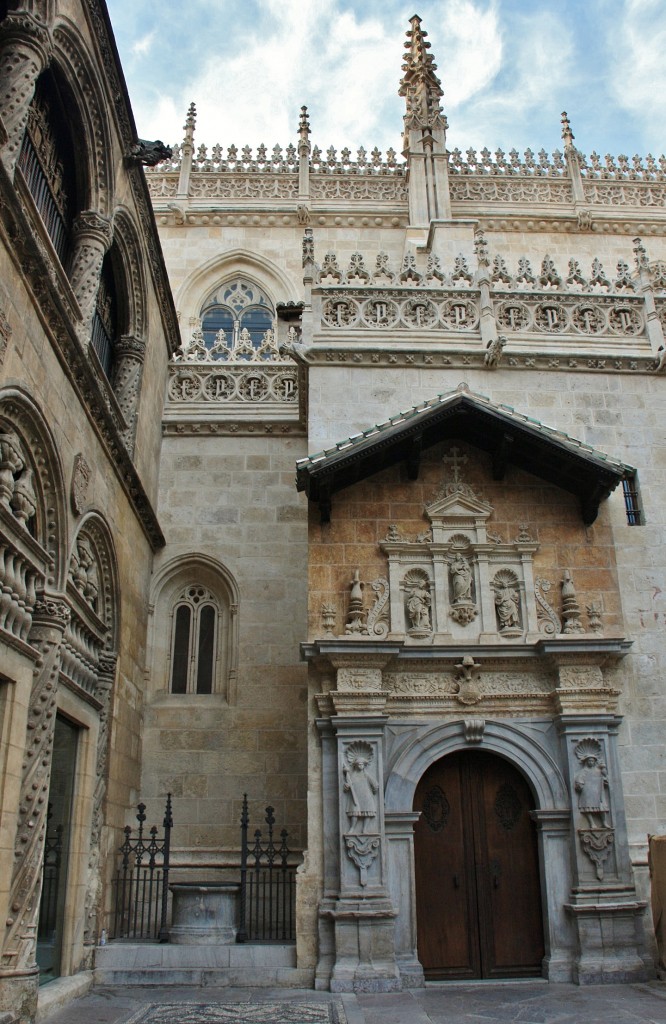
<point>47,162</point>
<point>632,501</point>
<point>194,641</point>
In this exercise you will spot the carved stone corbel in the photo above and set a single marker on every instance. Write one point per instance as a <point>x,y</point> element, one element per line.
<point>25,50</point>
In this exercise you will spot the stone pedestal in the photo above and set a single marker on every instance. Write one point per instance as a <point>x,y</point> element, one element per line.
<point>204,913</point>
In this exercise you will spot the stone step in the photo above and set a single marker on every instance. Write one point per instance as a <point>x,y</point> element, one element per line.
<point>256,965</point>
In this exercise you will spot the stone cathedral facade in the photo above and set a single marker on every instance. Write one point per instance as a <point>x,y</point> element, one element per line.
<point>336,480</point>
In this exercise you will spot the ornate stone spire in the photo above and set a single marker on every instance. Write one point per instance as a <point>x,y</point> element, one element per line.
<point>190,124</point>
<point>419,84</point>
<point>424,136</point>
<point>567,134</point>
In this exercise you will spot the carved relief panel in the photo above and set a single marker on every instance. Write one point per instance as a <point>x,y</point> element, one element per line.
<point>458,582</point>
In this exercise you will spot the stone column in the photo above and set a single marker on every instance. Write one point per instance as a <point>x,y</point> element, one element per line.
<point>91,239</point>
<point>103,692</point>
<point>554,831</point>
<point>362,911</point>
<point>25,50</point>
<point>129,355</point>
<point>603,901</point>
<point>18,966</point>
<point>400,858</point>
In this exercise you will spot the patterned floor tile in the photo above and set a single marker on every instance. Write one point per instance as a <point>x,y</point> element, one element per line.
<point>240,1013</point>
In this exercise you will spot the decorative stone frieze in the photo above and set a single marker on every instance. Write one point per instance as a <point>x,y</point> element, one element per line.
<point>277,384</point>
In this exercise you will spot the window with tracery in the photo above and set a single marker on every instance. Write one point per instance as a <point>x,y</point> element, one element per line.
<point>194,641</point>
<point>47,163</point>
<point>237,316</point>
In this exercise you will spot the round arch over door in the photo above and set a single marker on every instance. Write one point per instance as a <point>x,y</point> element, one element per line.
<point>478,891</point>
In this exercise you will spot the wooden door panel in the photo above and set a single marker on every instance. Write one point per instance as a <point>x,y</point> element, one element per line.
<point>445,884</point>
<point>509,886</point>
<point>478,897</point>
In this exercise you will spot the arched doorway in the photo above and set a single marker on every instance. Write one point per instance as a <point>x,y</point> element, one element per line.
<point>478,893</point>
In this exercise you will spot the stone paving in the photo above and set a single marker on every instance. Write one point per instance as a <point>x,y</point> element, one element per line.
<point>530,1002</point>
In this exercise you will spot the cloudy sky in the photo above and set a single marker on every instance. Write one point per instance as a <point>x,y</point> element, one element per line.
<point>508,68</point>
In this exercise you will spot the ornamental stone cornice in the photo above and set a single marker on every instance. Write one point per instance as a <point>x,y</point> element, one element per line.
<point>57,307</point>
<point>590,650</point>
<point>418,355</point>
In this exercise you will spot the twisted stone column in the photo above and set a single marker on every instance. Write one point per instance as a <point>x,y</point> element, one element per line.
<point>129,355</point>
<point>103,691</point>
<point>50,617</point>
<point>92,235</point>
<point>25,50</point>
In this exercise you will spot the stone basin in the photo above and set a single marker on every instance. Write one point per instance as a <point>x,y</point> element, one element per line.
<point>204,913</point>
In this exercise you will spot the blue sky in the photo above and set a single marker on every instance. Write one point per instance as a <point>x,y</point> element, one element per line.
<point>508,68</point>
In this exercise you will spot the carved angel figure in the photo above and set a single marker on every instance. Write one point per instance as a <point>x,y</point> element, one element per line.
<point>361,786</point>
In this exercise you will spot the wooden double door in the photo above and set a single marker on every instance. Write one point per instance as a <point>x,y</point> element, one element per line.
<point>478,893</point>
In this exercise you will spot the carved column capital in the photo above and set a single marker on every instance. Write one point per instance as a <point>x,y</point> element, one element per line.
<point>130,347</point>
<point>51,610</point>
<point>107,665</point>
<point>94,228</point>
<point>25,50</point>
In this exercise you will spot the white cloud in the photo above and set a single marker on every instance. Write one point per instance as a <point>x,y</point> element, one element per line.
<point>143,45</point>
<point>508,68</point>
<point>636,73</point>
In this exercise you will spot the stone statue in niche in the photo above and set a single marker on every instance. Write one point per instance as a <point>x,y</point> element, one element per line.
<point>463,607</point>
<point>591,783</point>
<point>507,603</point>
<point>361,788</point>
<point>417,588</point>
<point>461,579</point>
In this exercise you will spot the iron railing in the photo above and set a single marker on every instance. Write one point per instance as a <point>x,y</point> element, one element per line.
<point>268,890</point>
<point>141,883</point>
<point>38,185</point>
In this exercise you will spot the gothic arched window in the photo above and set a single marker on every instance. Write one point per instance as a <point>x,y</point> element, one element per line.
<point>196,623</point>
<point>47,161</point>
<point>242,311</point>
